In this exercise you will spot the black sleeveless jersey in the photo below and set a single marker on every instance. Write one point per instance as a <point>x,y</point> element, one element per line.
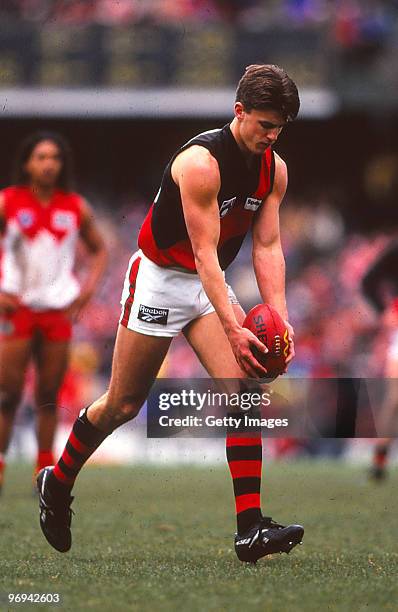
<point>163,237</point>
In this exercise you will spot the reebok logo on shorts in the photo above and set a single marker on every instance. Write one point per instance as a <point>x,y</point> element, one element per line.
<point>153,315</point>
<point>252,204</point>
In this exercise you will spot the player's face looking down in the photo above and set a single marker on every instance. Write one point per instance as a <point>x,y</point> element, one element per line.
<point>257,129</point>
<point>44,164</point>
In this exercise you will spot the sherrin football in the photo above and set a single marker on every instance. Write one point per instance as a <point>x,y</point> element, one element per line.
<point>269,327</point>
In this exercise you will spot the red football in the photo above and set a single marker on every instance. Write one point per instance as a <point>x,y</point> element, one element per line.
<point>269,327</point>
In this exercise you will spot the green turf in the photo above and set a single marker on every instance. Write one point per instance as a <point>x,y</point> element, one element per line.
<point>161,539</point>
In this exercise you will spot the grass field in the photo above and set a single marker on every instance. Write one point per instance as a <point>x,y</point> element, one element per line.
<point>161,539</point>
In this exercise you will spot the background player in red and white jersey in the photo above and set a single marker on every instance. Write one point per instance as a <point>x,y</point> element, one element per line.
<point>214,190</point>
<point>41,221</point>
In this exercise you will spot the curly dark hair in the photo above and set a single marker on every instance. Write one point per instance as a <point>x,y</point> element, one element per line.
<point>268,87</point>
<point>65,178</point>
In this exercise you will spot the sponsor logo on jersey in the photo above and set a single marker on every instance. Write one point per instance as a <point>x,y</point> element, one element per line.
<point>226,206</point>
<point>252,204</point>
<point>26,218</point>
<point>63,220</point>
<point>153,315</point>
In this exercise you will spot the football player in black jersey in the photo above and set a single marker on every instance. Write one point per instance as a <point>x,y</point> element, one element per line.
<point>158,302</point>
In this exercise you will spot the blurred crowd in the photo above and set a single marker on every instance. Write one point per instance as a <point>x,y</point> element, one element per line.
<point>350,20</point>
<point>337,40</point>
<point>337,330</point>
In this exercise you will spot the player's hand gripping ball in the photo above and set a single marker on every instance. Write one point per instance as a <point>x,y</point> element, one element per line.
<point>269,327</point>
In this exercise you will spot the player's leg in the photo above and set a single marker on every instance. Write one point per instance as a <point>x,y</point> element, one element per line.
<point>244,453</point>
<point>14,358</point>
<point>136,362</point>
<point>244,449</point>
<point>148,322</point>
<point>257,535</point>
<point>51,362</point>
<point>210,343</point>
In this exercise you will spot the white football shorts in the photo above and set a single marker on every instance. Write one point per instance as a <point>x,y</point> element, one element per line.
<point>160,301</point>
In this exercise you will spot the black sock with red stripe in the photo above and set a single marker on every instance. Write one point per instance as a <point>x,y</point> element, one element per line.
<point>244,456</point>
<point>84,439</point>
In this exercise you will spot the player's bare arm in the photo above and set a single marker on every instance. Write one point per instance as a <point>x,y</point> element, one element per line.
<point>8,302</point>
<point>196,173</point>
<point>268,258</point>
<point>94,242</point>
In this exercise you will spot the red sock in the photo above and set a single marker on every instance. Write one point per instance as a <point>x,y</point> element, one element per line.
<point>244,456</point>
<point>2,465</point>
<point>380,455</point>
<point>44,458</point>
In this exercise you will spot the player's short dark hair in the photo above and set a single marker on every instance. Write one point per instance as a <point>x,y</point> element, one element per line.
<point>268,87</point>
<point>65,178</point>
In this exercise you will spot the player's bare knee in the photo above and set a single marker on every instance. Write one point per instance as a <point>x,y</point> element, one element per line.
<point>129,410</point>
<point>126,410</point>
<point>46,401</point>
<point>46,407</point>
